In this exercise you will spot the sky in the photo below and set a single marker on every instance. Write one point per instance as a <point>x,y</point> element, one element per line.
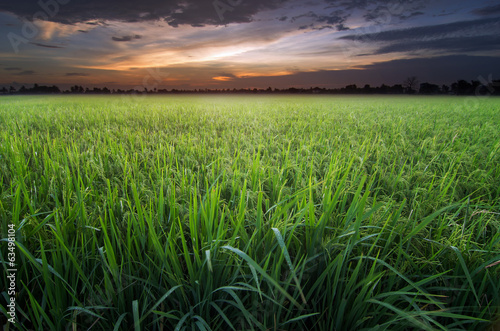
<point>193,44</point>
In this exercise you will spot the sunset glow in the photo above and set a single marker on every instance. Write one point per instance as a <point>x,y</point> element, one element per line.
<point>322,43</point>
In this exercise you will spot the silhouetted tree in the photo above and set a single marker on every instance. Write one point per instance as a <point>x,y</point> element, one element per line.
<point>494,87</point>
<point>397,89</point>
<point>351,88</point>
<point>77,89</point>
<point>462,87</point>
<point>426,88</point>
<point>410,84</point>
<point>384,89</point>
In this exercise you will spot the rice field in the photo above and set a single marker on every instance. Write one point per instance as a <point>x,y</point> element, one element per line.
<point>251,213</point>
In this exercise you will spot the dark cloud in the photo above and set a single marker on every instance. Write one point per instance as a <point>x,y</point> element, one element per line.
<point>382,11</point>
<point>373,11</point>
<point>97,23</point>
<point>458,44</point>
<point>460,37</point>
<point>474,28</point>
<point>341,27</point>
<point>444,13</point>
<point>217,12</point>
<point>226,75</point>
<point>334,20</point>
<point>491,10</point>
<point>199,13</point>
<point>175,13</point>
<point>383,14</point>
<point>25,73</point>
<point>127,38</point>
<point>45,45</point>
<point>308,15</point>
<point>12,69</point>
<point>76,74</point>
<point>350,5</point>
<point>410,15</point>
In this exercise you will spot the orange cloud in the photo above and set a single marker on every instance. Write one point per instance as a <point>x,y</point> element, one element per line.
<point>223,78</point>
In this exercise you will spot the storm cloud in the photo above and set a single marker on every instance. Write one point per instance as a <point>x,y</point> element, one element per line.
<point>175,13</point>
<point>481,26</point>
<point>462,37</point>
<point>243,43</point>
<point>126,38</point>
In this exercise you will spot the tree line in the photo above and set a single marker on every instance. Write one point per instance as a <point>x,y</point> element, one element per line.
<point>409,86</point>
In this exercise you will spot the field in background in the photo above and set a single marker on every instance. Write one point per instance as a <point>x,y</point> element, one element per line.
<point>267,213</point>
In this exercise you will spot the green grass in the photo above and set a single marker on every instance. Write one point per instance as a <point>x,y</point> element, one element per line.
<point>264,213</point>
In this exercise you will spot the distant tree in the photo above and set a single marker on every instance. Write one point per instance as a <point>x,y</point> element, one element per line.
<point>12,89</point>
<point>445,89</point>
<point>317,90</point>
<point>4,90</point>
<point>397,89</point>
<point>462,87</point>
<point>427,88</point>
<point>77,89</point>
<point>353,88</point>
<point>494,87</point>
<point>410,84</point>
<point>384,89</point>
